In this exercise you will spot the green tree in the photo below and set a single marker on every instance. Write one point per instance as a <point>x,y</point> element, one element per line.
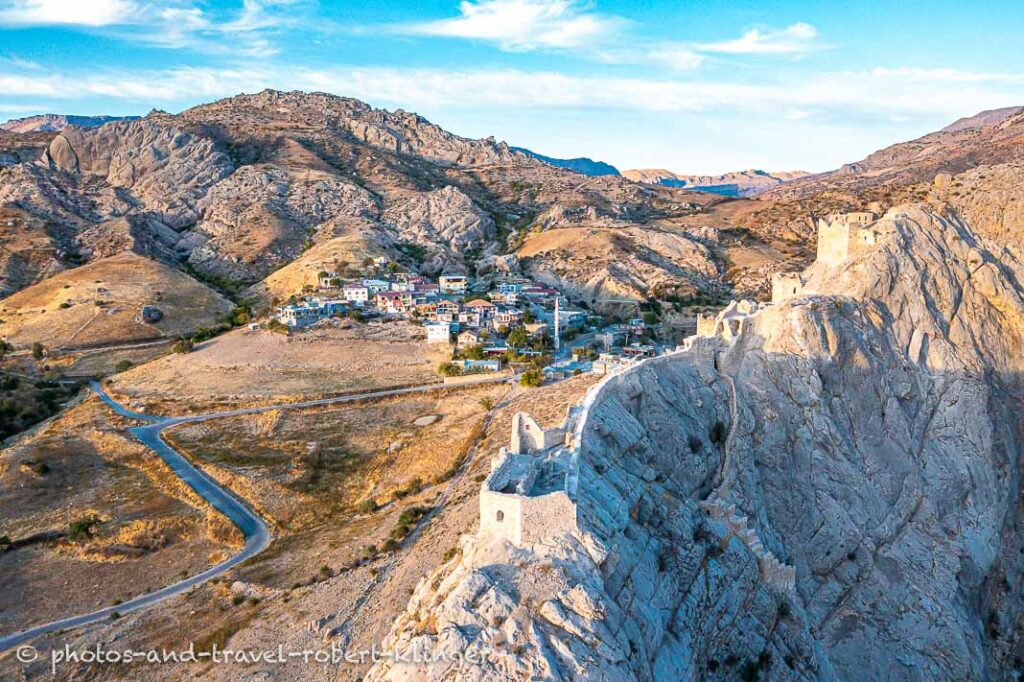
<point>277,326</point>
<point>183,346</point>
<point>447,369</point>
<point>38,350</point>
<point>532,378</point>
<point>517,338</point>
<point>123,366</point>
<point>83,528</point>
<point>5,348</point>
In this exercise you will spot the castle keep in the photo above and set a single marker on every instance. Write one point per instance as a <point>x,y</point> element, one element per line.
<point>842,235</point>
<point>525,499</point>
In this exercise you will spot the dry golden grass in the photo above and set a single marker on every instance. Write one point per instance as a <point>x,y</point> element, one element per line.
<point>352,248</point>
<point>304,468</point>
<point>99,303</point>
<point>154,526</point>
<point>243,366</point>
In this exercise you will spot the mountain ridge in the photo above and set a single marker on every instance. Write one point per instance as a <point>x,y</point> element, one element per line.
<point>50,123</point>
<point>744,183</point>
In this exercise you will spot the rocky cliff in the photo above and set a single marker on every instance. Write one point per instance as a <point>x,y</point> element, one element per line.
<point>865,434</point>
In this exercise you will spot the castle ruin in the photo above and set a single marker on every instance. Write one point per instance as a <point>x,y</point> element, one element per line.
<point>842,235</point>
<point>526,499</point>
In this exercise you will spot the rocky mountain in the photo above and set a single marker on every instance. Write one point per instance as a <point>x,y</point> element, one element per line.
<point>581,165</point>
<point>746,183</point>
<point>238,189</point>
<point>903,172</point>
<point>862,437</point>
<point>48,123</point>
<point>988,138</point>
<point>983,119</point>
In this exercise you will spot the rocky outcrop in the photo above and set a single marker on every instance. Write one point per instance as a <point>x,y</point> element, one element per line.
<point>607,267</point>
<point>163,168</point>
<point>860,519</point>
<point>989,199</point>
<point>262,217</point>
<point>446,222</point>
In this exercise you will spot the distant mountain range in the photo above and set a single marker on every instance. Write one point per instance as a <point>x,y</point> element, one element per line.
<point>581,165</point>
<point>46,123</point>
<point>735,184</point>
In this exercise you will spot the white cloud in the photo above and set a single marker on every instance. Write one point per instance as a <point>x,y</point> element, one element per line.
<point>522,24</point>
<point>173,24</point>
<point>852,96</point>
<point>69,12</point>
<point>794,39</point>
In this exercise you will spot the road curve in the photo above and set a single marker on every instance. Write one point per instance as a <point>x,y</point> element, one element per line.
<point>257,535</point>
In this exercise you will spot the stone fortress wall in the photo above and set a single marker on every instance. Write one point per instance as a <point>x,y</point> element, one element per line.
<point>529,497</point>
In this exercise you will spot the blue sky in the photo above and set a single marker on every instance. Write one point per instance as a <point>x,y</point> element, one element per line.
<point>695,87</point>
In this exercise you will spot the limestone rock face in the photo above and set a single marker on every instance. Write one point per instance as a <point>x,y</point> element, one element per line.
<point>989,199</point>
<point>261,217</point>
<point>164,168</point>
<point>445,221</point>
<point>871,442</point>
<point>605,266</point>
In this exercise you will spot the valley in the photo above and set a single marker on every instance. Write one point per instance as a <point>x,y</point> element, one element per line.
<point>781,427</point>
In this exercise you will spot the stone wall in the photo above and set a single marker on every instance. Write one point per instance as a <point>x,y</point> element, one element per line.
<point>528,436</point>
<point>833,242</point>
<point>525,520</point>
<point>786,285</point>
<point>705,325</point>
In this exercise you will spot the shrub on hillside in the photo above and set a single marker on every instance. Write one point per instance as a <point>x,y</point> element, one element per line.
<point>532,378</point>
<point>83,528</point>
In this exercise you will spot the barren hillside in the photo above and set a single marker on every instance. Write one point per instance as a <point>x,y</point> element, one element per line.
<point>102,303</point>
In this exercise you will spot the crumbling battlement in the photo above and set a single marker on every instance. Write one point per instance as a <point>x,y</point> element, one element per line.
<point>528,436</point>
<point>730,322</point>
<point>842,235</point>
<point>776,574</point>
<point>787,285</point>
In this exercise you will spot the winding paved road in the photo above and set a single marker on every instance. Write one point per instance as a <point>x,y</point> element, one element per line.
<point>257,535</point>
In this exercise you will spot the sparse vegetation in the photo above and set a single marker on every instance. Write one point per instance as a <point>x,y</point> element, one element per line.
<point>532,378</point>
<point>83,528</point>
<point>718,433</point>
<point>277,326</point>
<point>447,369</point>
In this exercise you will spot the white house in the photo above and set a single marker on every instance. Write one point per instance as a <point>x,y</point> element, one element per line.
<point>468,338</point>
<point>453,284</point>
<point>298,315</point>
<point>356,293</point>
<point>328,280</point>
<point>439,332</point>
<point>375,286</point>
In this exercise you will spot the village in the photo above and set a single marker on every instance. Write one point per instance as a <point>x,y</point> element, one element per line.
<point>490,326</point>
